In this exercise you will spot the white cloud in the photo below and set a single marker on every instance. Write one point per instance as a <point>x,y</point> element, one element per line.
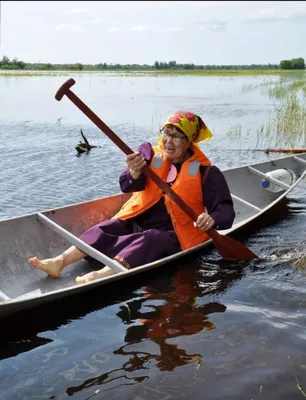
<point>213,25</point>
<point>265,15</point>
<point>140,28</point>
<point>100,21</point>
<point>69,28</point>
<point>212,22</point>
<point>174,29</point>
<point>94,21</point>
<point>272,14</point>
<point>218,28</point>
<point>78,11</point>
<point>114,29</point>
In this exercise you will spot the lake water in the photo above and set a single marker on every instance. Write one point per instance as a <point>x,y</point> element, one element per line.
<point>190,330</point>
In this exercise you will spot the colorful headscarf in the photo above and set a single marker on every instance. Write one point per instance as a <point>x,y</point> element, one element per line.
<point>191,124</point>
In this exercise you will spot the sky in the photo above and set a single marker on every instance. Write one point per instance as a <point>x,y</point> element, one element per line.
<point>127,32</point>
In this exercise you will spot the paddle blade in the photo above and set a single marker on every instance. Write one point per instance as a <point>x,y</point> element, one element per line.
<point>229,248</point>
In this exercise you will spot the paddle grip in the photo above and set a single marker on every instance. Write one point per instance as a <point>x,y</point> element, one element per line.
<point>64,89</point>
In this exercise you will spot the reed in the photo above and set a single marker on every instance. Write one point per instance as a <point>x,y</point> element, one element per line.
<point>280,90</point>
<point>129,317</point>
<point>286,126</point>
<point>300,387</point>
<point>235,131</point>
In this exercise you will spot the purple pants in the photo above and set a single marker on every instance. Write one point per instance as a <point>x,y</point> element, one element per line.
<point>117,238</point>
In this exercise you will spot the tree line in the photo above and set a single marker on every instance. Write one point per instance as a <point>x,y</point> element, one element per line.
<point>7,64</point>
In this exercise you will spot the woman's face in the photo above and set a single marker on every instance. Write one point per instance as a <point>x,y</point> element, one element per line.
<point>175,144</point>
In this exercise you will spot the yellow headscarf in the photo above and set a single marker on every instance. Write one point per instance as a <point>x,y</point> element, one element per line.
<point>191,124</point>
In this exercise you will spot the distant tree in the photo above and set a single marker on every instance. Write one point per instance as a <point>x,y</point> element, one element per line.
<point>76,66</point>
<point>294,63</point>
<point>298,63</point>
<point>285,64</point>
<point>5,61</point>
<point>7,66</point>
<point>21,64</point>
<point>172,64</point>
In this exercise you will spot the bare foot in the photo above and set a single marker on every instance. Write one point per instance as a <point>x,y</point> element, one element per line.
<point>92,276</point>
<point>51,266</point>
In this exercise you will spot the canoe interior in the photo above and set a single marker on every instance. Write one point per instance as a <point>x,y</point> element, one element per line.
<point>26,236</point>
<point>247,186</point>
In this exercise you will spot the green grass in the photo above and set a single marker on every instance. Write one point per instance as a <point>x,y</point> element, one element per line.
<point>195,72</point>
<point>219,72</point>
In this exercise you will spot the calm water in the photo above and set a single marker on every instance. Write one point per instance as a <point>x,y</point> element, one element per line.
<point>198,329</point>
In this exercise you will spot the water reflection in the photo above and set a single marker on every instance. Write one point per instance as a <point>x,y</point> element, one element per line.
<point>175,311</point>
<point>13,348</point>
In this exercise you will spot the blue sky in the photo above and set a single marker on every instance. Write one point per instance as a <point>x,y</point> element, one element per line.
<point>203,32</point>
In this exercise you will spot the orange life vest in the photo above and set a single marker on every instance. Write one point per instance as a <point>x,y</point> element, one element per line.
<point>187,185</point>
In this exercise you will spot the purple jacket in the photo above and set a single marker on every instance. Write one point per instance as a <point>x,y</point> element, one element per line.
<point>218,201</point>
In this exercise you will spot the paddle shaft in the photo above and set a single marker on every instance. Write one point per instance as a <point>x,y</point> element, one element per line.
<point>127,150</point>
<point>227,247</point>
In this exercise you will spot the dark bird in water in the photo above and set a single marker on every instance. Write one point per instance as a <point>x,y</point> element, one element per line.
<point>84,147</point>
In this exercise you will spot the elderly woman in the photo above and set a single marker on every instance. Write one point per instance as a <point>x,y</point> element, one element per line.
<point>149,225</point>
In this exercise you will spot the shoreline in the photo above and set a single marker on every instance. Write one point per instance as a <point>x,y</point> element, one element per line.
<point>122,72</point>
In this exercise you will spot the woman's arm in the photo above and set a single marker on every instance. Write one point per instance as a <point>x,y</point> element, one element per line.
<point>126,181</point>
<point>217,199</point>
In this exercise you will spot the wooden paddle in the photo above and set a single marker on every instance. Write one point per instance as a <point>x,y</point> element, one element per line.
<point>227,247</point>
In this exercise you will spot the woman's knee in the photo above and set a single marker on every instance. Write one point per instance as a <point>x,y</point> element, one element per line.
<point>162,238</point>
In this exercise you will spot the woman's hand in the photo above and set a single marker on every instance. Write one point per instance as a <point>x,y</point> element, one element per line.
<point>136,164</point>
<point>204,222</point>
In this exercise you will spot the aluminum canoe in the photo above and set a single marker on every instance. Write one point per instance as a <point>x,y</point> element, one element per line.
<point>47,233</point>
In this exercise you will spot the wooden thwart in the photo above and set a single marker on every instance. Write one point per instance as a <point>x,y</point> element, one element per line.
<point>109,262</point>
<point>245,203</point>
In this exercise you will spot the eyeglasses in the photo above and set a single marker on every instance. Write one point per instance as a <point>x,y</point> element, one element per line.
<point>176,137</point>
